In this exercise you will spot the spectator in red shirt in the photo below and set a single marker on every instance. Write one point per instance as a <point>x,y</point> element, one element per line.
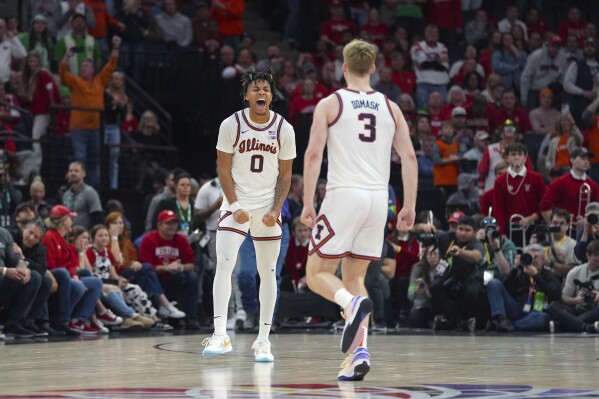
<point>376,27</point>
<point>37,92</point>
<point>297,255</point>
<point>509,110</point>
<point>480,114</point>
<point>455,98</point>
<point>170,254</point>
<point>573,26</point>
<point>332,28</point>
<point>402,77</point>
<point>305,103</point>
<point>534,23</point>
<point>447,15</point>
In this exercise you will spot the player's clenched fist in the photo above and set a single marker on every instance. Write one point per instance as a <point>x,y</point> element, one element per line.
<point>308,216</point>
<point>241,216</point>
<point>270,218</point>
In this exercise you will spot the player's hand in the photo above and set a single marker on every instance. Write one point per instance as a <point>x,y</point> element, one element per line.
<point>405,219</point>
<point>270,218</point>
<point>308,216</point>
<point>241,216</point>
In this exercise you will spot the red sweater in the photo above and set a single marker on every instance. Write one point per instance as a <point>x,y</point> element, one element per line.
<point>525,201</point>
<point>44,95</point>
<point>300,105</point>
<point>58,254</point>
<point>563,193</point>
<point>485,201</point>
<point>295,260</point>
<point>333,28</point>
<point>569,28</point>
<point>157,251</point>
<point>379,32</point>
<point>446,14</point>
<point>406,80</point>
<point>518,116</point>
<point>103,19</point>
<point>407,255</point>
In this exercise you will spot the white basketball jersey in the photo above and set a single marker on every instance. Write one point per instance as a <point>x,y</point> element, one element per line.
<point>256,149</point>
<point>359,141</point>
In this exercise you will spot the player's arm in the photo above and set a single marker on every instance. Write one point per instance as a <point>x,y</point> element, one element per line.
<point>283,184</point>
<point>313,156</point>
<point>224,165</point>
<point>409,170</point>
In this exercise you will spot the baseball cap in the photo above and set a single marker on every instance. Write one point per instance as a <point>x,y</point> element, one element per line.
<point>481,135</point>
<point>167,216</point>
<point>309,67</point>
<point>555,39</point>
<point>39,17</point>
<point>335,3</point>
<point>581,152</point>
<point>25,205</point>
<point>458,111</point>
<point>454,217</point>
<point>60,211</point>
<point>545,91</point>
<point>467,220</point>
<point>79,12</point>
<point>590,40</point>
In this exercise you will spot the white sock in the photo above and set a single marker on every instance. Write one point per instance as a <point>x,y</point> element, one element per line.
<point>343,297</point>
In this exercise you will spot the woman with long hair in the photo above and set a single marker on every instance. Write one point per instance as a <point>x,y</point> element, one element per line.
<point>37,91</point>
<point>76,296</point>
<point>115,110</point>
<point>129,267</point>
<point>564,140</point>
<point>421,277</point>
<point>39,39</point>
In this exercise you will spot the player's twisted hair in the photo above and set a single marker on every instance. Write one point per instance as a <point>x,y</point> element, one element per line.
<point>268,76</point>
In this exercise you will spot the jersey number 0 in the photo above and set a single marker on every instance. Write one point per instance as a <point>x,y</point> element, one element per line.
<point>370,125</point>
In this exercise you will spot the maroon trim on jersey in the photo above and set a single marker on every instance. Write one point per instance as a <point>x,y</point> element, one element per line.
<point>279,134</point>
<point>279,223</point>
<point>260,129</point>
<point>227,213</point>
<point>267,238</point>
<point>390,110</point>
<point>340,109</point>
<point>326,239</point>
<point>238,130</point>
<point>360,92</point>
<point>232,230</point>
<point>364,257</point>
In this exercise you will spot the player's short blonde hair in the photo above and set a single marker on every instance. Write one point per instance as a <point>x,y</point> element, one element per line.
<point>359,56</point>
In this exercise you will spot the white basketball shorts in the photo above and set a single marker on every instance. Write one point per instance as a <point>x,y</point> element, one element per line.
<point>351,222</point>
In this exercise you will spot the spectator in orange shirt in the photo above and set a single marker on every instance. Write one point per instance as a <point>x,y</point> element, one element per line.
<point>566,138</point>
<point>229,14</point>
<point>88,91</point>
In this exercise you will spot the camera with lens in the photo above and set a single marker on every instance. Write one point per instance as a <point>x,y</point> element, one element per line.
<point>592,218</point>
<point>427,239</point>
<point>492,232</point>
<point>526,260</point>
<point>543,233</point>
<point>587,287</point>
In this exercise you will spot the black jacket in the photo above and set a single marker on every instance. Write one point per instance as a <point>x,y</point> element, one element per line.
<point>517,284</point>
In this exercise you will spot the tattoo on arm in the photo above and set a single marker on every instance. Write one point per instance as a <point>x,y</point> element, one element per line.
<point>281,190</point>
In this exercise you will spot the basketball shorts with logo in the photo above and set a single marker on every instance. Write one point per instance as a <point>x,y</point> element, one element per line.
<point>351,222</point>
<point>259,231</point>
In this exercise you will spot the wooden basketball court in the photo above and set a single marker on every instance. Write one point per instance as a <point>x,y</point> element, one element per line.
<point>404,365</point>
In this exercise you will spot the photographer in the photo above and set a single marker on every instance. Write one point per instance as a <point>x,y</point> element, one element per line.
<point>499,251</point>
<point>518,302</point>
<point>578,310</point>
<point>558,245</point>
<point>456,293</point>
<point>588,232</point>
<point>421,278</point>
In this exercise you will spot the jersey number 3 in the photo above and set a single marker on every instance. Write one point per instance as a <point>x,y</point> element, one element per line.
<point>370,126</point>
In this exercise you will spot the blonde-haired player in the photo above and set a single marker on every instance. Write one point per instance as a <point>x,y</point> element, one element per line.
<point>256,148</point>
<point>359,126</point>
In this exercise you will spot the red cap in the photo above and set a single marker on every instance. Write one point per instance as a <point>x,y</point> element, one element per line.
<point>167,216</point>
<point>555,39</point>
<point>335,3</point>
<point>60,211</point>
<point>454,217</point>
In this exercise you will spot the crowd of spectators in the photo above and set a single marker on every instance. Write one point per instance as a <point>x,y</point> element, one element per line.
<point>500,97</point>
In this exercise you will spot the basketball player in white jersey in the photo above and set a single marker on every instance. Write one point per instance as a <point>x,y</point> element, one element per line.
<point>359,126</point>
<point>256,148</point>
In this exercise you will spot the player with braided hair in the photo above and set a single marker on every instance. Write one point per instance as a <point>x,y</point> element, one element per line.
<point>255,149</point>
